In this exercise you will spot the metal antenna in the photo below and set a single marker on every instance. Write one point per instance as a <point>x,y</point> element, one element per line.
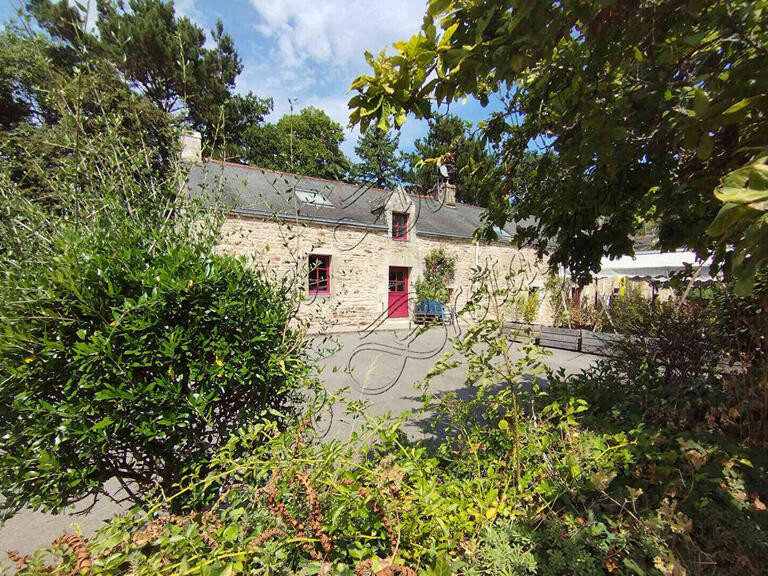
<point>290,103</point>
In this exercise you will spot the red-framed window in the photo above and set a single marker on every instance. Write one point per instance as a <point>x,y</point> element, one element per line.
<point>399,226</point>
<point>319,274</point>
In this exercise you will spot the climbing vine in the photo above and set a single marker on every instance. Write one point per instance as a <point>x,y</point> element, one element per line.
<point>439,271</point>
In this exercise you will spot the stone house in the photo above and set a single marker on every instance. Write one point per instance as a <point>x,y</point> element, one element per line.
<point>356,252</point>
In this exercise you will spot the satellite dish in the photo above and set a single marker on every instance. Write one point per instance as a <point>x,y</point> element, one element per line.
<point>444,170</point>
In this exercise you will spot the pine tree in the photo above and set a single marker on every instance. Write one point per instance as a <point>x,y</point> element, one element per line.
<point>379,164</point>
<point>477,167</point>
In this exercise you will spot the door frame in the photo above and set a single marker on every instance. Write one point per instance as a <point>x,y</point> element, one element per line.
<point>405,304</point>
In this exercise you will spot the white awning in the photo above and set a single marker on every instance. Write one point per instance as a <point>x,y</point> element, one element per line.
<point>654,265</point>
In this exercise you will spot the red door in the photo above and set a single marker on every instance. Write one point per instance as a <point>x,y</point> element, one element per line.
<point>398,292</point>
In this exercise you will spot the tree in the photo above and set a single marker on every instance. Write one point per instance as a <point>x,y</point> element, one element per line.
<point>167,59</point>
<point>476,166</point>
<point>36,146</point>
<point>379,165</point>
<point>130,349</point>
<point>646,106</point>
<point>307,143</point>
<point>236,116</point>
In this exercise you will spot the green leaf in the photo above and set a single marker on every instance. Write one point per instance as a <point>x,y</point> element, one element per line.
<point>700,102</point>
<point>633,567</point>
<point>103,423</point>
<point>726,218</point>
<point>706,145</point>
<point>739,106</point>
<point>740,195</point>
<point>439,568</point>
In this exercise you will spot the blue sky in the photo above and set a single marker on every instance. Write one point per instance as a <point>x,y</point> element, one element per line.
<point>310,50</point>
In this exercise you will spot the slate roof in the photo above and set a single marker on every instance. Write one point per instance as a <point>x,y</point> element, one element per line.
<point>261,192</point>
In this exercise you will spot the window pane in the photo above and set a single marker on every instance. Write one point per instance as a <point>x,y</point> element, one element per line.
<point>399,225</point>
<point>319,273</point>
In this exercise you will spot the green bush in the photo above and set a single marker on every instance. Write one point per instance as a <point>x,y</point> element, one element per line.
<point>629,312</point>
<point>129,348</point>
<point>439,269</point>
<point>664,369</point>
<point>137,357</point>
<point>527,307</point>
<point>289,505</point>
<point>513,481</point>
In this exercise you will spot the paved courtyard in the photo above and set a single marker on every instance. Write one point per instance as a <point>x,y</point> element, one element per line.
<point>379,367</point>
<point>383,368</point>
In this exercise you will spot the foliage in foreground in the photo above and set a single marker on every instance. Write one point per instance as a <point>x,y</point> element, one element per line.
<point>514,481</point>
<point>636,501</point>
<point>645,107</point>
<point>129,349</point>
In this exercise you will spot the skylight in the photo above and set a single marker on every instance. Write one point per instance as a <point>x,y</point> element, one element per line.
<point>311,197</point>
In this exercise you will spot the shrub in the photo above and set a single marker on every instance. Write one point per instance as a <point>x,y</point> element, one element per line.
<point>665,369</point>
<point>129,348</point>
<point>439,269</point>
<point>629,313</point>
<point>136,358</point>
<point>519,482</point>
<point>526,307</point>
<point>289,505</point>
<point>742,333</point>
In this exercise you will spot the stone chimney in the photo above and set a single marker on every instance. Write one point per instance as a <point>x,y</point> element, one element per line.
<point>445,190</point>
<point>191,147</point>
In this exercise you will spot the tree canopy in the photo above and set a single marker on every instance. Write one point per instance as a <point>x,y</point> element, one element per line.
<point>645,106</point>
<point>166,58</point>
<point>379,163</point>
<point>307,143</point>
<point>476,166</point>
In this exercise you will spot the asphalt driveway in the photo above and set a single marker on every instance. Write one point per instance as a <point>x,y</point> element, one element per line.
<point>384,368</point>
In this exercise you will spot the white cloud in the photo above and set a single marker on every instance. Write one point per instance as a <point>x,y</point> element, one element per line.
<point>336,32</point>
<point>311,50</point>
<point>187,8</point>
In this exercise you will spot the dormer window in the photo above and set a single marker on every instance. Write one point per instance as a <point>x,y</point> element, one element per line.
<point>399,226</point>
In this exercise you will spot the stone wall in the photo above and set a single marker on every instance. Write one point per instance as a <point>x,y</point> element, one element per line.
<point>360,261</point>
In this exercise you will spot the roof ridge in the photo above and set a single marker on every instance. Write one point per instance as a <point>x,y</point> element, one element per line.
<point>252,167</point>
<point>430,197</point>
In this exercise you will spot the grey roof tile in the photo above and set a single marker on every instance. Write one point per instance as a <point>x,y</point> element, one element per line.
<point>258,191</point>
